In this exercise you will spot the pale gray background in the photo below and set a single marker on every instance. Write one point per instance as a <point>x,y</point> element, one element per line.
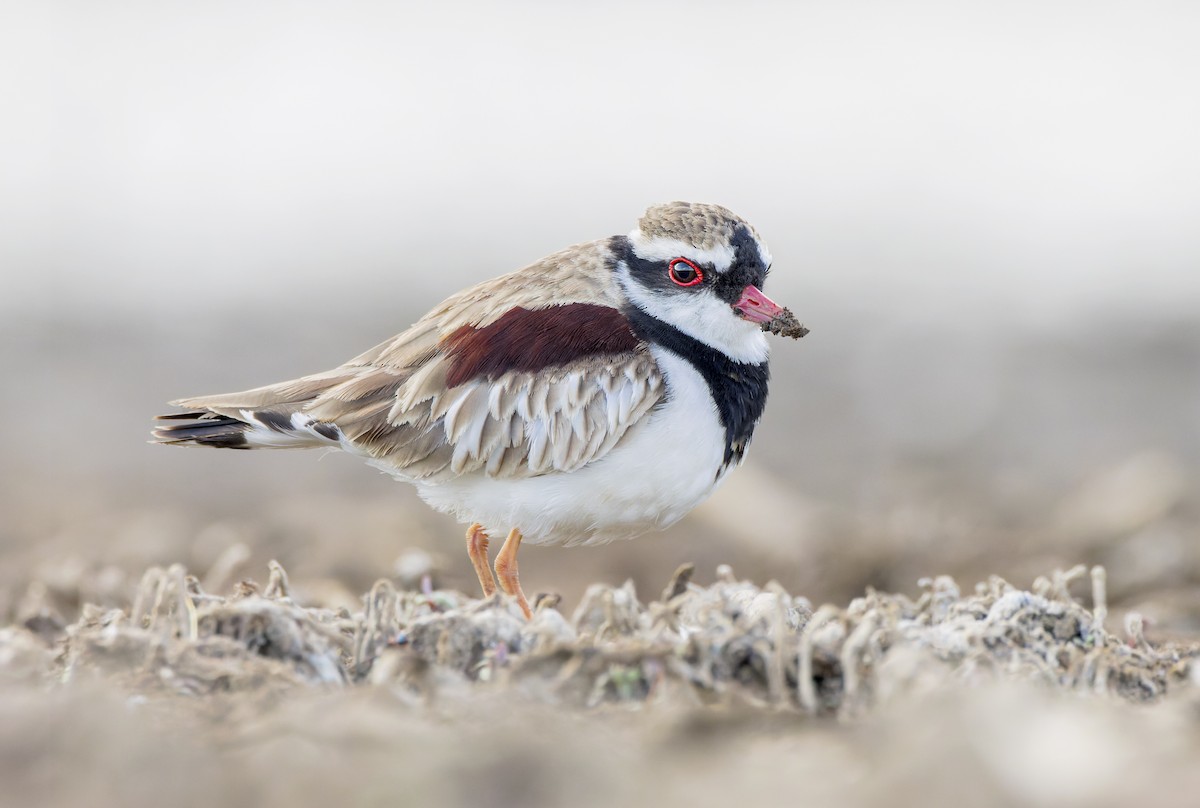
<point>987,213</point>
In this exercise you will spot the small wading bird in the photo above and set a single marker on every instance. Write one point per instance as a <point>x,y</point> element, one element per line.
<point>600,392</point>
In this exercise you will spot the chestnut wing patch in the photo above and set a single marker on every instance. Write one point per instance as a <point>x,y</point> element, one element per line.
<point>529,340</point>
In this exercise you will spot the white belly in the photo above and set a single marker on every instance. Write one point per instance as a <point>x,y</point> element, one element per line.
<point>654,477</point>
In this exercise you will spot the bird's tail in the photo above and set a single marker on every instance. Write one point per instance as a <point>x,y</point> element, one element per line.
<point>251,429</point>
<point>202,429</point>
<point>270,417</point>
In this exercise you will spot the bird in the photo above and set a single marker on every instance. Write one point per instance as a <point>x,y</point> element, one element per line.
<point>598,393</point>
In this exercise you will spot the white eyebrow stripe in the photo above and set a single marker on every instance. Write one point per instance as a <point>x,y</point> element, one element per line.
<point>664,249</point>
<point>764,254</point>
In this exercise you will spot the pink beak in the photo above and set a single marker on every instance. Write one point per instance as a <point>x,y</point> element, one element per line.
<point>756,307</point>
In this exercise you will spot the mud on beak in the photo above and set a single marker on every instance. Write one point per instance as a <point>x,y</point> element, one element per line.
<point>756,307</point>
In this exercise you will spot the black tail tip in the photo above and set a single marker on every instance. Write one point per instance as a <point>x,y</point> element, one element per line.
<point>204,429</point>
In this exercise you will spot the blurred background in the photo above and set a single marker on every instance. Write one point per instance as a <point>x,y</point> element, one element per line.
<point>986,214</point>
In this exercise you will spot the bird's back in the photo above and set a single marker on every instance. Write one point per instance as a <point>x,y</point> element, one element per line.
<point>530,373</point>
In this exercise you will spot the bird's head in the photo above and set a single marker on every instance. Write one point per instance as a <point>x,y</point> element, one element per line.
<point>701,269</point>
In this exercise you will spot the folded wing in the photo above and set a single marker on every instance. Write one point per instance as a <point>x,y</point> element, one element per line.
<point>522,391</point>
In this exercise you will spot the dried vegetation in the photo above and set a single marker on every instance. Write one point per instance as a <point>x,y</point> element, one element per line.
<point>730,641</point>
<point>263,697</point>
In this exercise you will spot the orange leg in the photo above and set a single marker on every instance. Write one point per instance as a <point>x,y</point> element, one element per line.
<point>477,549</point>
<point>506,570</point>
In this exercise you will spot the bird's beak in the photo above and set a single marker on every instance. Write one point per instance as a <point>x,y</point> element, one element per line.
<point>756,307</point>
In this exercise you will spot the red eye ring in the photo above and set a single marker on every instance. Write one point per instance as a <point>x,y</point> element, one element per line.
<point>684,273</point>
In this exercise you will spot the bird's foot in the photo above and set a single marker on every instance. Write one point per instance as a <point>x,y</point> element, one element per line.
<point>506,571</point>
<point>477,549</point>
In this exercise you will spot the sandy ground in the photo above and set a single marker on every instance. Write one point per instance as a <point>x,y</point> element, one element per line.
<point>696,695</point>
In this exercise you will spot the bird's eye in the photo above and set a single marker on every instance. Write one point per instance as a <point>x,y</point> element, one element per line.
<point>684,273</point>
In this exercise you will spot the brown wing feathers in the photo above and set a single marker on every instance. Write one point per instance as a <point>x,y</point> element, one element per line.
<point>530,340</point>
<point>494,394</point>
<point>413,415</point>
